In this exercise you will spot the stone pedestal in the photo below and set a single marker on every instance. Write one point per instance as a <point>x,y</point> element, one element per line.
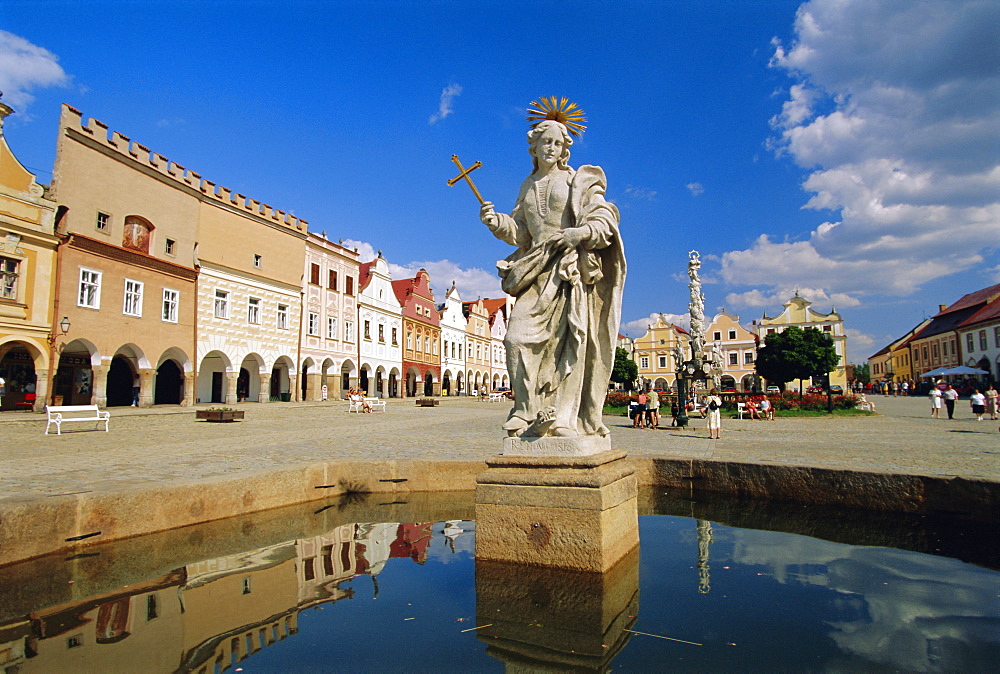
<point>566,511</point>
<point>544,619</point>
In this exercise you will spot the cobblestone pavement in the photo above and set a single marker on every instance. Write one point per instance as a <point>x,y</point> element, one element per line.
<point>167,444</point>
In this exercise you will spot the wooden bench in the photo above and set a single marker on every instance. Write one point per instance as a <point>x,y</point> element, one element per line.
<point>427,402</point>
<point>63,414</point>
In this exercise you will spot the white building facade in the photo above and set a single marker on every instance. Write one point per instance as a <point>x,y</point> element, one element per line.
<point>381,319</point>
<point>329,353</point>
<point>453,325</point>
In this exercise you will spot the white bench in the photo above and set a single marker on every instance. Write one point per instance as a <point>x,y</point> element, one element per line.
<point>62,414</point>
<point>377,405</point>
<point>497,397</point>
<point>741,409</point>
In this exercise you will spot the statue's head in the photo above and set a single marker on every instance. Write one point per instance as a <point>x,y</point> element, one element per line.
<point>548,128</point>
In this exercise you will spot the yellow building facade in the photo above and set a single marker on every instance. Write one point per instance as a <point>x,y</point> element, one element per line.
<point>28,247</point>
<point>798,311</point>
<point>656,353</point>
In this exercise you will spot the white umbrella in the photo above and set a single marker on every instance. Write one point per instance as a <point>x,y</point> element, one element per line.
<point>935,373</point>
<point>965,369</point>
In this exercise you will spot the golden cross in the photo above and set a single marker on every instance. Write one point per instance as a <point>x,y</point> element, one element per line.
<point>465,174</point>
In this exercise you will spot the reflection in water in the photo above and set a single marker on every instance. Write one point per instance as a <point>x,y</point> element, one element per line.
<point>299,590</point>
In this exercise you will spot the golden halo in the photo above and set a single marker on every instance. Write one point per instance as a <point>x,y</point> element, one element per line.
<point>559,110</point>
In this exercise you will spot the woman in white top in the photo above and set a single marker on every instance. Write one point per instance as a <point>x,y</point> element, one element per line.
<point>713,407</point>
<point>935,395</point>
<point>978,402</point>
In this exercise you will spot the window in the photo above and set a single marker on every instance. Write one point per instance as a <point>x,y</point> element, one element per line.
<point>170,299</point>
<point>331,328</point>
<point>409,341</point>
<point>924,350</point>
<point>90,289</point>
<point>221,304</point>
<point>257,260</point>
<point>103,222</point>
<point>349,285</point>
<point>8,278</point>
<point>734,358</point>
<point>968,342</point>
<point>394,337</point>
<point>732,334</point>
<point>717,335</point>
<point>944,348</point>
<point>996,337</point>
<point>368,330</point>
<point>644,362</point>
<point>133,298</point>
<point>313,324</point>
<point>748,358</point>
<point>169,246</point>
<point>827,328</point>
<point>460,352</point>
<point>332,280</point>
<point>381,332</point>
<point>420,343</point>
<point>314,274</point>
<point>253,311</point>
<point>282,317</point>
<point>662,362</point>
<point>934,349</point>
<point>982,340</point>
<point>349,331</point>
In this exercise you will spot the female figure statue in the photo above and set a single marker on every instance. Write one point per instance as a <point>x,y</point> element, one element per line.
<point>567,276</point>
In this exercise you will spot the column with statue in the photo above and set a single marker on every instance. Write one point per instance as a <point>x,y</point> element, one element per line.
<point>566,274</point>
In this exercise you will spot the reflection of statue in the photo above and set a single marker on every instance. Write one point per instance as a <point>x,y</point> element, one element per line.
<point>567,275</point>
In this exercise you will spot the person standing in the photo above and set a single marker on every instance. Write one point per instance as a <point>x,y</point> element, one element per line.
<point>991,402</point>
<point>713,407</point>
<point>978,403</point>
<point>950,395</point>
<point>935,396</point>
<point>640,410</point>
<point>653,410</point>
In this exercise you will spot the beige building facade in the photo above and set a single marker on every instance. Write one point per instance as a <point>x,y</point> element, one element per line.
<point>478,345</point>
<point>737,349</point>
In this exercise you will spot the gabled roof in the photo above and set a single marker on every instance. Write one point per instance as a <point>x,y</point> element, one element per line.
<point>495,305</point>
<point>976,299</point>
<point>960,312</point>
<point>988,313</point>
<point>364,275</point>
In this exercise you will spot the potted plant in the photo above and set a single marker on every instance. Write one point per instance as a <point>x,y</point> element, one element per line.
<point>219,414</point>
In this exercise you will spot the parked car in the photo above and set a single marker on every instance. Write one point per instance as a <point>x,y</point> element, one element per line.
<point>837,389</point>
<point>773,389</point>
<point>815,390</point>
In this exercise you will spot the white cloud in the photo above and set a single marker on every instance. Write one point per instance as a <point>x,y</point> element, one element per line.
<point>448,95</point>
<point>472,283</point>
<point>25,67</point>
<point>696,189</point>
<point>638,327</point>
<point>640,193</point>
<point>895,108</point>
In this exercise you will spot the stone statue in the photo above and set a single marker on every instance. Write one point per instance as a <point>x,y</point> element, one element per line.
<point>567,276</point>
<point>696,306</point>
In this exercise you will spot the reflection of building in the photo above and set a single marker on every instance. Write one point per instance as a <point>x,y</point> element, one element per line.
<point>799,312</point>
<point>27,265</point>
<point>210,614</point>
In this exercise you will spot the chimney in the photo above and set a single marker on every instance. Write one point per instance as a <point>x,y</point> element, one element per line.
<point>942,307</point>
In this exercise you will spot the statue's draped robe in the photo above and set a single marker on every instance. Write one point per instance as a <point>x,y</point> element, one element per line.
<point>563,327</point>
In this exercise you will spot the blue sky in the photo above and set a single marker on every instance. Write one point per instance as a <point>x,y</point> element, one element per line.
<point>849,149</point>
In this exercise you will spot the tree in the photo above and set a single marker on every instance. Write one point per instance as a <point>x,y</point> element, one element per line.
<point>862,373</point>
<point>625,371</point>
<point>796,354</point>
